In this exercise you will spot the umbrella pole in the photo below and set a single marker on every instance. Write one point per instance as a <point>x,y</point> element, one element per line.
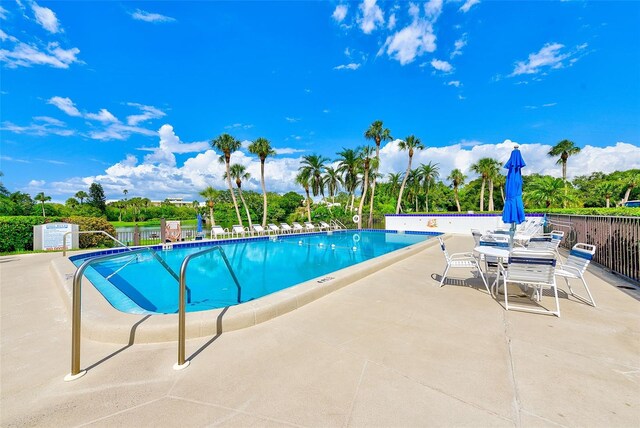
<point>512,232</point>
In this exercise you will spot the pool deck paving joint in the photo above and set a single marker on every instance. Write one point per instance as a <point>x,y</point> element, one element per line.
<point>390,349</point>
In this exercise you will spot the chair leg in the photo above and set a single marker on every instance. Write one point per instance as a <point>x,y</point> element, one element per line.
<point>444,275</point>
<point>484,280</point>
<point>555,292</point>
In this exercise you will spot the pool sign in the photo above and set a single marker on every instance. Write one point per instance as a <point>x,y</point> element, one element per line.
<point>49,236</point>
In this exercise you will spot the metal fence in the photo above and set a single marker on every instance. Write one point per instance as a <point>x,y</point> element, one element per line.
<point>152,236</point>
<point>617,240</point>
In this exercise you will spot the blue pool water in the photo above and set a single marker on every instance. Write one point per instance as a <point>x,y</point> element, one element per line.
<point>262,266</point>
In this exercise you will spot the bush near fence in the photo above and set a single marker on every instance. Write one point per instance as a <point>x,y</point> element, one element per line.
<point>16,232</point>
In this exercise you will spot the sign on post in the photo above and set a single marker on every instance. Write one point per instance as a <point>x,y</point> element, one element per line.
<point>50,236</point>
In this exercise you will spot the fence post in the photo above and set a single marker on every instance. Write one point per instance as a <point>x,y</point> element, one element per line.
<point>136,235</point>
<point>163,230</point>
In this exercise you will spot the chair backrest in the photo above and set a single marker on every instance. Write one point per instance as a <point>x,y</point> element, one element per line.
<point>493,240</point>
<point>325,224</point>
<point>273,227</point>
<point>258,228</point>
<point>580,256</point>
<point>285,226</point>
<point>237,228</point>
<point>309,225</point>
<point>217,230</point>
<point>557,235</point>
<point>532,266</point>
<point>476,236</point>
<point>444,249</point>
<point>297,225</point>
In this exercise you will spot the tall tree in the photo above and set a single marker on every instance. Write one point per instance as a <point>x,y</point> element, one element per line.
<point>125,192</point>
<point>303,178</point>
<point>315,165</point>
<point>348,167</point>
<point>544,191</point>
<point>209,193</point>
<point>484,168</point>
<point>42,198</point>
<point>378,133</point>
<point>261,147</point>
<point>81,195</point>
<point>410,143</point>
<point>429,174</point>
<point>493,174</point>
<point>227,145</point>
<point>239,173</point>
<point>332,182</point>
<point>97,198</point>
<point>456,177</point>
<point>608,189</point>
<point>365,160</point>
<point>631,182</point>
<point>564,149</point>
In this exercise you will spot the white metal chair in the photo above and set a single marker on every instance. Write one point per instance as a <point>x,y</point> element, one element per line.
<point>286,228</point>
<point>259,230</point>
<point>237,230</point>
<point>575,267</point>
<point>218,231</point>
<point>297,227</point>
<point>309,226</point>
<point>493,240</point>
<point>460,260</point>
<point>531,268</point>
<point>274,228</point>
<point>548,241</point>
<point>324,226</point>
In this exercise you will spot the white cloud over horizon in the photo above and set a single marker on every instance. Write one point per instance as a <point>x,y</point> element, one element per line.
<point>414,40</point>
<point>46,18</point>
<point>443,66</point>
<point>370,16</point>
<point>550,56</point>
<point>340,13</point>
<point>143,15</point>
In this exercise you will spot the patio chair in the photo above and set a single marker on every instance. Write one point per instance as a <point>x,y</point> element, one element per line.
<point>460,260</point>
<point>297,227</point>
<point>238,230</point>
<point>575,267</point>
<point>309,226</point>
<point>218,231</point>
<point>274,228</point>
<point>286,228</point>
<point>324,225</point>
<point>492,240</point>
<point>476,236</point>
<point>548,241</point>
<point>532,269</point>
<point>259,230</point>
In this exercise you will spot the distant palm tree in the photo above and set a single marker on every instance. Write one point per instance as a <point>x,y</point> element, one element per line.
<point>493,169</point>
<point>40,197</point>
<point>261,147</point>
<point>429,174</point>
<point>82,195</point>
<point>365,160</point>
<point>348,167</point>
<point>545,191</point>
<point>378,134</point>
<point>332,181</point>
<point>315,165</point>
<point>227,145</point>
<point>413,188</point>
<point>608,189</point>
<point>410,143</point>
<point>564,148</point>
<point>484,168</point>
<point>238,173</point>
<point>457,179</point>
<point>209,193</point>
<point>125,191</point>
<point>394,180</point>
<point>303,178</point>
<point>631,182</point>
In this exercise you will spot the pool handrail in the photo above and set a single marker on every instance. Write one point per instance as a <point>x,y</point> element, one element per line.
<point>337,224</point>
<point>182,364</point>
<point>76,319</point>
<point>64,239</point>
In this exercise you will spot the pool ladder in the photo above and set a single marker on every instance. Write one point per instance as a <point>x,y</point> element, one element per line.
<point>184,291</point>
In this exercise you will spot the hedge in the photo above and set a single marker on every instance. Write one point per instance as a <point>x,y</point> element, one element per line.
<point>16,232</point>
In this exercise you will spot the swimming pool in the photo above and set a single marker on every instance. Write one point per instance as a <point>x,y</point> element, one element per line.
<point>138,284</point>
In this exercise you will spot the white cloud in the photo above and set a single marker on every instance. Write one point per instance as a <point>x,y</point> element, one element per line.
<point>239,126</point>
<point>46,18</point>
<point>370,16</point>
<point>350,66</point>
<point>458,45</point>
<point>149,112</point>
<point>292,119</point>
<point>66,105</point>
<point>3,13</point>
<point>443,66</point>
<point>468,4</point>
<point>287,150</point>
<point>549,104</point>
<point>392,22</point>
<point>411,41</point>
<point>455,83</point>
<point>103,116</point>
<point>142,15</point>
<point>50,120</point>
<point>25,55</point>
<point>340,13</point>
<point>39,129</point>
<point>326,110</point>
<point>548,57</point>
<point>118,131</point>
<point>433,9</point>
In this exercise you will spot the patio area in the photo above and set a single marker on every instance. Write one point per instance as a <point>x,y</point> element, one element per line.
<point>391,350</point>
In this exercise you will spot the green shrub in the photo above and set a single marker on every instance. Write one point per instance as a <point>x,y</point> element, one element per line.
<point>89,240</point>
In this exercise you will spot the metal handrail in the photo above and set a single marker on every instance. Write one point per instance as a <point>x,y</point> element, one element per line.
<point>77,305</point>
<point>338,223</point>
<point>64,239</point>
<point>181,364</point>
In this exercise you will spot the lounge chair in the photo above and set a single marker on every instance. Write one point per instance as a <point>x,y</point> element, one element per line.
<point>324,225</point>
<point>286,228</point>
<point>238,230</point>
<point>533,269</point>
<point>218,231</point>
<point>259,230</point>
<point>273,228</point>
<point>575,267</point>
<point>460,260</point>
<point>297,227</point>
<point>309,226</point>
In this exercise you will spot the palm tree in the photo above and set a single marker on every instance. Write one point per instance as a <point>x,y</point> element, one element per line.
<point>493,169</point>
<point>564,148</point>
<point>410,143</point>
<point>40,197</point>
<point>429,174</point>
<point>125,191</point>
<point>631,182</point>
<point>484,168</point>
<point>209,193</point>
<point>332,181</point>
<point>378,134</point>
<point>348,167</point>
<point>303,178</point>
<point>544,190</point>
<point>457,179</point>
<point>261,147</point>
<point>314,164</point>
<point>608,189</point>
<point>365,161</point>
<point>227,145</point>
<point>82,195</point>
<point>238,173</point>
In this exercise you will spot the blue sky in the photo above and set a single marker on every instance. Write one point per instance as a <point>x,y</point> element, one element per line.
<point>128,94</point>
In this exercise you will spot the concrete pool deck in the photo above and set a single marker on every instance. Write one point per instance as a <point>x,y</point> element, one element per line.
<point>391,349</point>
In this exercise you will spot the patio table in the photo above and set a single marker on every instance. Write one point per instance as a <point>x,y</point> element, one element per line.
<point>500,253</point>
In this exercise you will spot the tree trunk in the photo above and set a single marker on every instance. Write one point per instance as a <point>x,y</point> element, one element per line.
<point>264,194</point>
<point>608,202</point>
<point>373,192</point>
<point>491,195</point>
<point>233,195</point>
<point>502,194</point>
<point>626,194</point>
<point>306,189</point>
<point>246,208</point>
<point>364,194</point>
<point>564,178</point>
<point>43,213</point>
<point>455,191</point>
<point>353,201</point>
<point>213,221</point>
<point>404,182</point>
<point>426,201</point>
<point>482,196</point>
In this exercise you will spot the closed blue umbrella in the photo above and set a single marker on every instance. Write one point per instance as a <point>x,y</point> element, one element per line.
<point>199,223</point>
<point>513,211</point>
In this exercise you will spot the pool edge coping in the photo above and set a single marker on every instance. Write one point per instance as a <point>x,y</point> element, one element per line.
<point>103,323</point>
